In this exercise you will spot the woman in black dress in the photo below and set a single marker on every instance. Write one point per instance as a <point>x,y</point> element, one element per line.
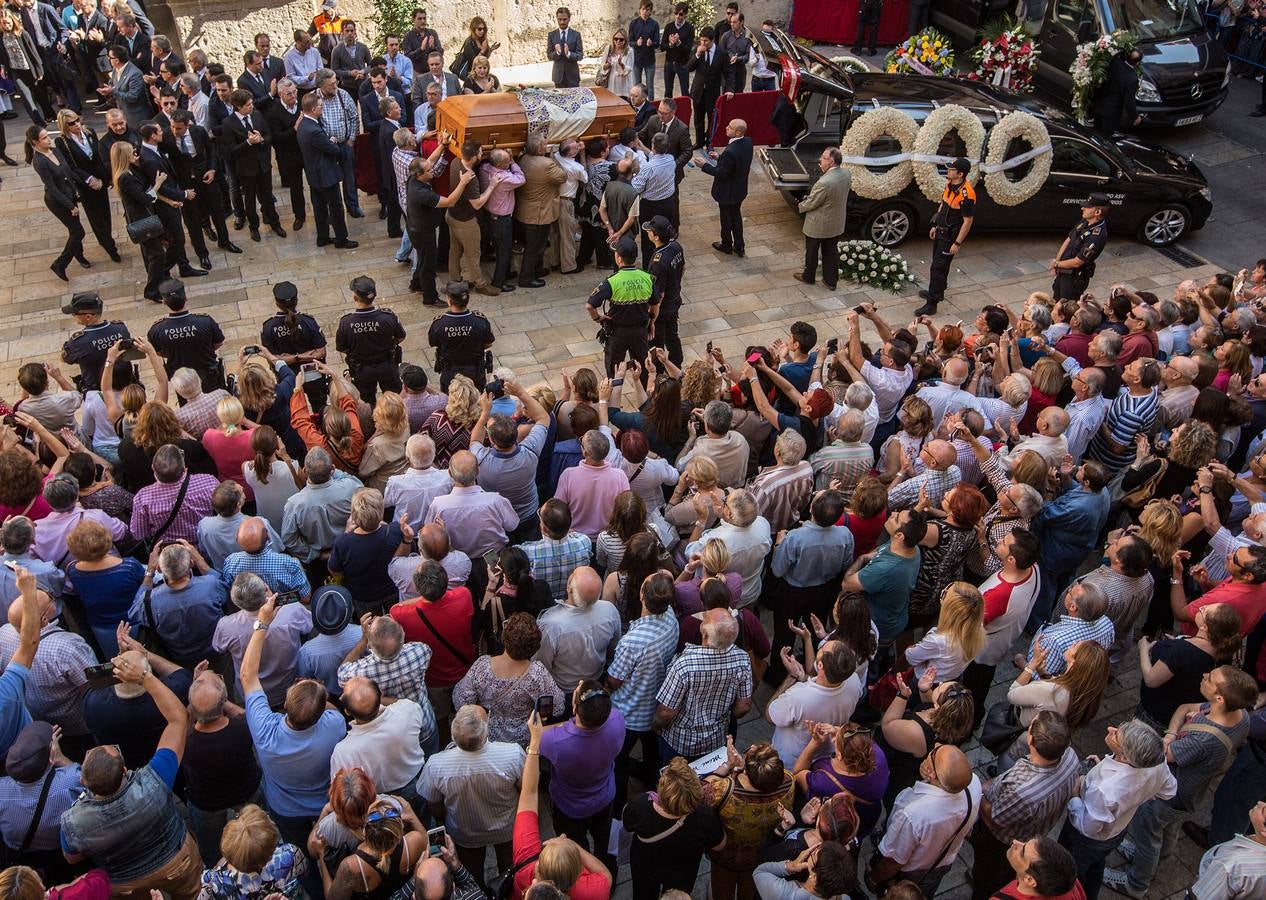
<point>138,203</point>
<point>476,45</point>
<point>60,195</point>
<point>481,80</point>
<point>79,146</point>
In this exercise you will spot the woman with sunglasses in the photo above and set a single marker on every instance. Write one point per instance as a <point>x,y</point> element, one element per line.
<point>382,862</point>
<point>476,45</point>
<point>79,146</point>
<point>942,714</point>
<point>617,65</point>
<point>857,767</point>
<point>138,203</point>
<point>60,195</point>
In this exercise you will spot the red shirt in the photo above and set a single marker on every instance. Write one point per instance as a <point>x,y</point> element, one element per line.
<point>1013,890</point>
<point>1249,600</point>
<point>527,844</point>
<point>998,596</point>
<point>92,885</point>
<point>1076,345</point>
<point>865,531</point>
<point>451,616</point>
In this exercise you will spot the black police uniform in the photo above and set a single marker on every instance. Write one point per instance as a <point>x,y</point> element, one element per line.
<point>629,293</point>
<point>188,339</point>
<point>1086,242</point>
<point>957,203</point>
<point>667,268</point>
<point>284,339</point>
<point>87,349</point>
<point>369,340</point>
<point>460,339</point>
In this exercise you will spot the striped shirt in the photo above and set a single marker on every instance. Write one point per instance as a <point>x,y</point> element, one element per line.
<point>1027,799</point>
<point>845,461</point>
<point>553,561</point>
<point>479,790</point>
<point>1127,417</point>
<point>782,492</point>
<point>641,663</point>
<point>657,180</point>
<point>702,685</point>
<point>1235,870</point>
<point>1084,419</point>
<point>1059,636</point>
<point>1127,598</point>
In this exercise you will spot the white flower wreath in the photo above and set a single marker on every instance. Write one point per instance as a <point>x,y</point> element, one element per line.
<point>850,64</point>
<point>1021,125</point>
<point>940,122</point>
<point>865,131</point>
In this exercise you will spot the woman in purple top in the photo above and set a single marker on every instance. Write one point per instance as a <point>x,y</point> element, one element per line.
<point>858,766</point>
<point>582,752</point>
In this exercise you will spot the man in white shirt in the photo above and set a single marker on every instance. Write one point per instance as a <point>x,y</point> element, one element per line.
<point>748,537</point>
<point>829,697</point>
<point>410,493</point>
<point>929,822</point>
<point>385,741</point>
<point>1180,393</point>
<point>725,447</point>
<point>948,395</point>
<point>889,380</point>
<point>564,230</point>
<point>1237,868</point>
<point>1049,442</point>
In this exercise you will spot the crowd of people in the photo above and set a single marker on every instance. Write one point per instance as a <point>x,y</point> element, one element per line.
<point>302,629</point>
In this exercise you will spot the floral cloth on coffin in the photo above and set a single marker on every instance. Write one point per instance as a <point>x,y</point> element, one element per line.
<point>560,113</point>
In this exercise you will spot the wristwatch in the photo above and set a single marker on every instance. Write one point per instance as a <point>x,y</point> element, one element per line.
<point>1205,489</point>
<point>259,626</point>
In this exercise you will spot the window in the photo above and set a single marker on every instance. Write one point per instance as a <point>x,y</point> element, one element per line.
<point>1071,12</point>
<point>1079,158</point>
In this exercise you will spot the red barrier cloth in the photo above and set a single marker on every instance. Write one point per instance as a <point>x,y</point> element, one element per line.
<point>754,108</point>
<point>835,21</point>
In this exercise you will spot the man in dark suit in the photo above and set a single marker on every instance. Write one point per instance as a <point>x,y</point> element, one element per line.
<point>643,109</point>
<point>666,121</point>
<point>254,79</point>
<point>378,88</point>
<point>192,156</point>
<point>281,117</point>
<point>729,185</point>
<point>433,73</point>
<point>166,108</point>
<point>218,110</point>
<point>128,34</point>
<point>322,164</point>
<point>390,119</point>
<point>274,68</point>
<point>116,130</point>
<point>247,141</point>
<point>708,66</point>
<point>564,49</point>
<point>171,198</point>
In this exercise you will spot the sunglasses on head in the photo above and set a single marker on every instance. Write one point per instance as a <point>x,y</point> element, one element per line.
<point>378,815</point>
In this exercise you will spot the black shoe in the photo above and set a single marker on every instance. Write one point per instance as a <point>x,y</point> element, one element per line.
<point>114,255</point>
<point>1256,114</point>
<point>83,261</point>
<point>191,272</point>
<point>828,285</point>
<point>59,271</point>
<point>239,223</point>
<point>12,114</point>
<point>382,213</point>
<point>8,160</point>
<point>856,51</point>
<point>277,229</point>
<point>721,248</point>
<point>871,52</point>
<point>535,283</point>
<point>927,309</point>
<point>346,245</point>
<point>800,277</point>
<point>205,262</point>
<point>255,235</point>
<point>324,242</point>
<point>507,287</point>
<point>153,298</point>
<point>574,271</point>
<point>396,235</point>
<point>208,230</point>
<point>297,224</point>
<point>356,212</point>
<point>740,253</point>
<point>925,295</point>
<point>230,247</point>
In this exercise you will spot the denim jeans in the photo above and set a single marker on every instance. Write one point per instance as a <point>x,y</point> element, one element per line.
<point>1154,831</point>
<point>406,248</point>
<point>1089,855</point>
<point>764,83</point>
<point>644,74</point>
<point>1241,787</point>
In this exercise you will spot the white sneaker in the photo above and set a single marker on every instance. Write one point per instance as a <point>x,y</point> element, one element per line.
<point>1127,849</point>
<point>1119,881</point>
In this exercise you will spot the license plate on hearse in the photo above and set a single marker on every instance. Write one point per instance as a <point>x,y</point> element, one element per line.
<point>1189,120</point>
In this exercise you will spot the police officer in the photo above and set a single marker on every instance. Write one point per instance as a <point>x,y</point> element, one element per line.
<point>1074,265</point>
<point>460,337</point>
<point>950,226</point>
<point>296,338</point>
<point>184,338</point>
<point>668,265</point>
<point>630,321</point>
<point>369,340</point>
<point>87,347</point>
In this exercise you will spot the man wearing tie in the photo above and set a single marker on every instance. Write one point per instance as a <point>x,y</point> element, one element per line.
<point>708,66</point>
<point>446,81</point>
<point>565,51</point>
<point>729,185</point>
<point>678,134</point>
<point>171,199</point>
<point>390,119</point>
<point>321,163</point>
<point>274,69</point>
<point>220,110</point>
<point>282,117</point>
<point>127,88</point>
<point>191,157</point>
<point>254,80</point>
<point>247,141</point>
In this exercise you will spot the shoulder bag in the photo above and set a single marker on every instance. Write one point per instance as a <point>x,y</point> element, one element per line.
<point>882,888</point>
<point>461,657</point>
<point>1221,736</point>
<point>1001,728</point>
<point>9,857</point>
<point>146,229</point>
<point>152,542</point>
<point>501,887</point>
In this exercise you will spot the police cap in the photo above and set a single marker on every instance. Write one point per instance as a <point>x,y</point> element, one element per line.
<point>84,301</point>
<point>962,164</point>
<point>661,226</point>
<point>173,292</point>
<point>626,249</point>
<point>365,287</point>
<point>285,293</point>
<point>1099,200</point>
<point>458,290</point>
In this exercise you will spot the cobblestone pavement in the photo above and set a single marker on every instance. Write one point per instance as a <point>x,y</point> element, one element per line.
<point>732,302</point>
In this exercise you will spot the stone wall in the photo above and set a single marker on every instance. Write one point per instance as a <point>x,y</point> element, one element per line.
<point>226,28</point>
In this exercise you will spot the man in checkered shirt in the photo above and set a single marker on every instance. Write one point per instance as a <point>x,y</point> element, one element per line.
<point>705,686</point>
<point>1087,620</point>
<point>280,572</point>
<point>341,120</point>
<point>397,667</point>
<point>940,477</point>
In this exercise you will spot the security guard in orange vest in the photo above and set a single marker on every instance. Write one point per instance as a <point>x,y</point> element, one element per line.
<point>950,225</point>
<point>327,27</point>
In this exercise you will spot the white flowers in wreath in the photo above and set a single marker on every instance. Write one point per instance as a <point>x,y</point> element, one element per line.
<point>940,122</point>
<point>868,128</point>
<point>1029,129</point>
<point>850,64</point>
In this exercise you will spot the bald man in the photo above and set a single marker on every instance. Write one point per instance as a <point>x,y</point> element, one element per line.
<point>929,821</point>
<point>435,546</point>
<point>1049,441</point>
<point>947,395</point>
<point>280,571</point>
<point>443,877</point>
<point>477,520</point>
<point>937,474</point>
<point>1179,394</point>
<point>385,741</point>
<point>578,636</point>
<point>729,174</point>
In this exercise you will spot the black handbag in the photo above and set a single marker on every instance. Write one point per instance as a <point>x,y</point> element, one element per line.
<point>501,886</point>
<point>146,229</point>
<point>1001,727</point>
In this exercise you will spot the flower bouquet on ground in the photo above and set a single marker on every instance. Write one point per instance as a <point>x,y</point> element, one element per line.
<point>1090,68</point>
<point>1007,60</point>
<point>869,264</point>
<point>927,53</point>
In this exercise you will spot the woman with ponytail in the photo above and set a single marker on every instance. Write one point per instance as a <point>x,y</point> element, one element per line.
<point>393,842</point>
<point>271,475</point>
<point>230,444</point>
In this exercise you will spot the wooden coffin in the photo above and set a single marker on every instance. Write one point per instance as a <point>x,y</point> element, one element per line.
<point>499,120</point>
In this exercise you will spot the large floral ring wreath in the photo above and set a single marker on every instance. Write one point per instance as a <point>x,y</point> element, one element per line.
<point>1021,125</point>
<point>940,122</point>
<point>865,131</point>
<point>850,64</point>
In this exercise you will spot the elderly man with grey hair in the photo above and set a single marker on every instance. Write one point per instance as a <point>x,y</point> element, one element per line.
<point>720,443</point>
<point>315,516</point>
<point>747,535</point>
<point>186,606</point>
<point>536,207</point>
<point>656,185</point>
<point>477,520</point>
<point>16,538</point>
<point>397,666</point>
<point>947,395</point>
<point>340,117</point>
<point>217,534</point>
<point>281,643</point>
<point>410,493</point>
<point>578,635</point>
<point>198,412</point>
<point>782,490</point>
<point>171,508</point>
<point>847,459</point>
<point>61,493</point>
<point>473,787</point>
<point>705,685</point>
<point>385,740</point>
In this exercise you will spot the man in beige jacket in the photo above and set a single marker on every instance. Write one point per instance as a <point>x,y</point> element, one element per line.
<point>824,211</point>
<point>536,207</point>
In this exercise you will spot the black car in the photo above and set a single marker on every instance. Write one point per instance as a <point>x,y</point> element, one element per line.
<point>1155,193</point>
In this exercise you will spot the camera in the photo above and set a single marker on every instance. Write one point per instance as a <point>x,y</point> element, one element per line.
<point>11,420</point>
<point>833,346</point>
<point>250,349</point>
<point>497,388</point>
<point>696,423</point>
<point>127,344</point>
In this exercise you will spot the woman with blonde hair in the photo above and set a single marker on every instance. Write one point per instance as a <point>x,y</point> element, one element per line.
<point>672,828</point>
<point>339,430</point>
<point>902,447</point>
<point>1075,693</point>
<point>450,427</point>
<point>1161,527</point>
<point>481,80</point>
<point>271,475</point>
<point>1173,668</point>
<point>697,493</point>
<point>106,583</point>
<point>392,844</point>
<point>958,636</point>
<point>361,554</point>
<point>699,385</point>
<point>1011,403</point>
<point>384,452</point>
<point>230,444</point>
<point>749,793</point>
<point>1234,358</point>
<point>616,68</point>
<point>255,861</point>
<point>24,883</point>
<point>712,562</point>
<point>134,190</point>
<point>1192,445</point>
